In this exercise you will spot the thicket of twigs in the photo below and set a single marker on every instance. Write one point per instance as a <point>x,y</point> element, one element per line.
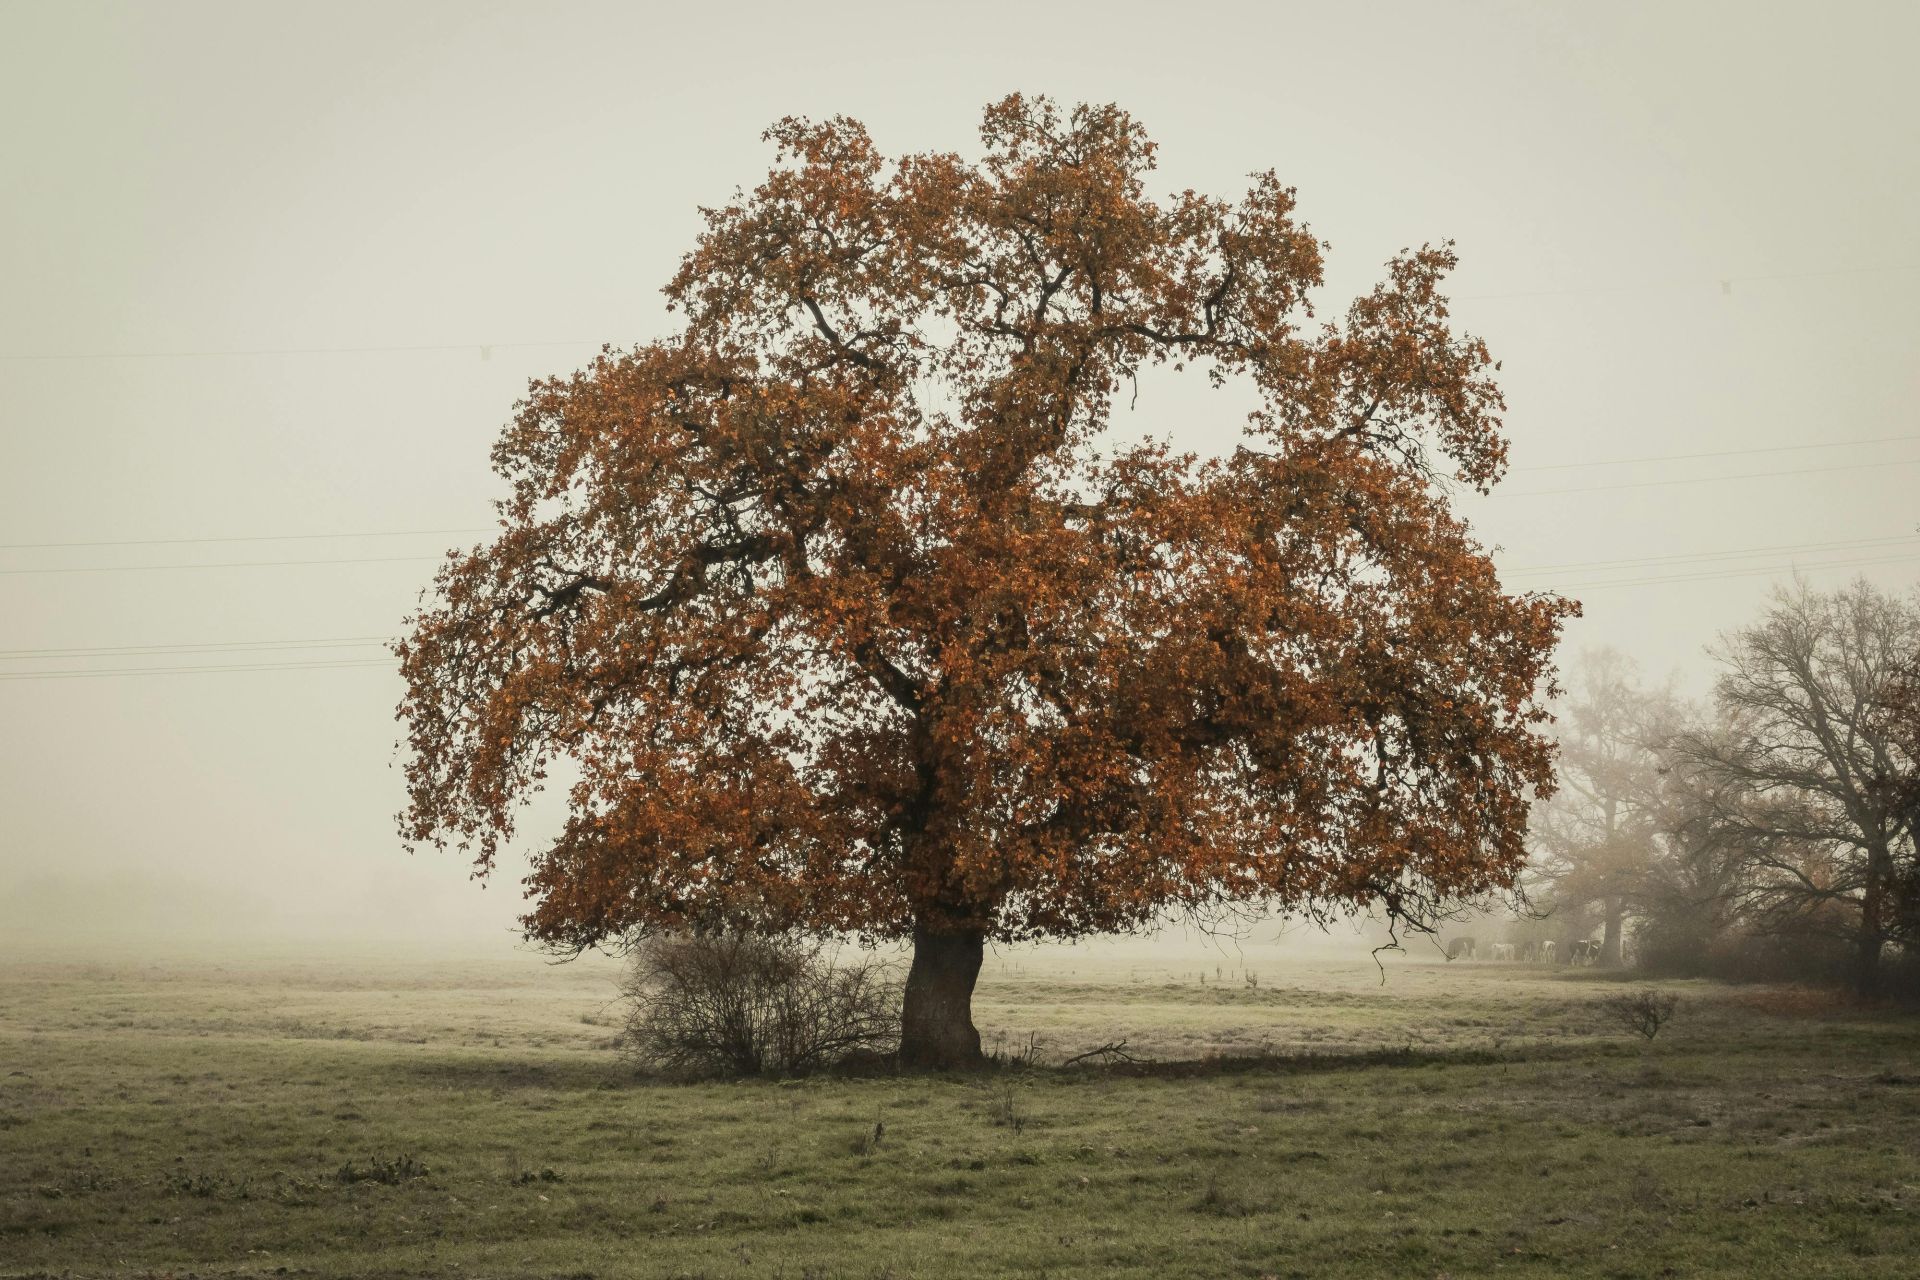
<point>1643,1012</point>
<point>740,1004</point>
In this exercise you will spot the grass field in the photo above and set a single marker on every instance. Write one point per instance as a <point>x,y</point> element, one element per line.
<point>441,1118</point>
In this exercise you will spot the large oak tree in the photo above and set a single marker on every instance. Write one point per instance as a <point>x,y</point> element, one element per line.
<point>850,611</point>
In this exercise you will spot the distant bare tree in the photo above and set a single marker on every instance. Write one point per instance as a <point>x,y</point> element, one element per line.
<point>1594,841</point>
<point>1810,771</point>
<point>1689,895</point>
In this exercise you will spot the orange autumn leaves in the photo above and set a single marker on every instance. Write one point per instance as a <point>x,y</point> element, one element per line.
<point>846,611</point>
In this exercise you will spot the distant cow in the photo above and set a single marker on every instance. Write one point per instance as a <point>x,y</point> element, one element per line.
<point>1501,951</point>
<point>1585,951</point>
<point>1460,949</point>
<point>1529,952</point>
<point>1547,950</point>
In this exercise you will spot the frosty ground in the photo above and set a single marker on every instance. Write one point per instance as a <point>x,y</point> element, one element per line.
<point>402,1116</point>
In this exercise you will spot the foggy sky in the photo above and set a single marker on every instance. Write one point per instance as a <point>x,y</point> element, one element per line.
<point>283,270</point>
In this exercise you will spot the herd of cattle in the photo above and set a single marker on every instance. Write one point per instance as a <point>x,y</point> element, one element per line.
<point>1581,951</point>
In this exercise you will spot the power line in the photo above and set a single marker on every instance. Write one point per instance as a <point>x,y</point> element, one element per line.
<point>1758,571</point>
<point>217,646</point>
<point>484,348</point>
<point>1703,556</point>
<point>82,673</point>
<point>225,564</point>
<point>256,537</point>
<point>1683,557</point>
<point>1723,283</point>
<point>351,663</point>
<point>423,533</point>
<point>414,533</point>
<point>1718,453</point>
<point>1659,484</point>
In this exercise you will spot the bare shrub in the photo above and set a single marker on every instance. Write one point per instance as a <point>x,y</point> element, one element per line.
<point>1644,1011</point>
<point>746,1004</point>
<point>1019,1057</point>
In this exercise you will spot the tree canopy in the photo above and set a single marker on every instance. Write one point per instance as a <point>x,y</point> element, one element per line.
<point>851,611</point>
<point>1813,770</point>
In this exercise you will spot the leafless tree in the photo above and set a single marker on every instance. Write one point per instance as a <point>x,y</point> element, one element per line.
<point>1594,842</point>
<point>1690,895</point>
<point>1809,772</point>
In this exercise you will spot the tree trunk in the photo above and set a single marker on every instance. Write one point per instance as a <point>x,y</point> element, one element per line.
<point>1866,975</point>
<point>936,1024</point>
<point>1610,940</point>
<point>1866,971</point>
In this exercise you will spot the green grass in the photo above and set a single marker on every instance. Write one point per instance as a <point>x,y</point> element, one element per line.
<point>447,1120</point>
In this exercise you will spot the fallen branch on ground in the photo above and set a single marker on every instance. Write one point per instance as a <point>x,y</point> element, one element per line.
<point>1114,1051</point>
